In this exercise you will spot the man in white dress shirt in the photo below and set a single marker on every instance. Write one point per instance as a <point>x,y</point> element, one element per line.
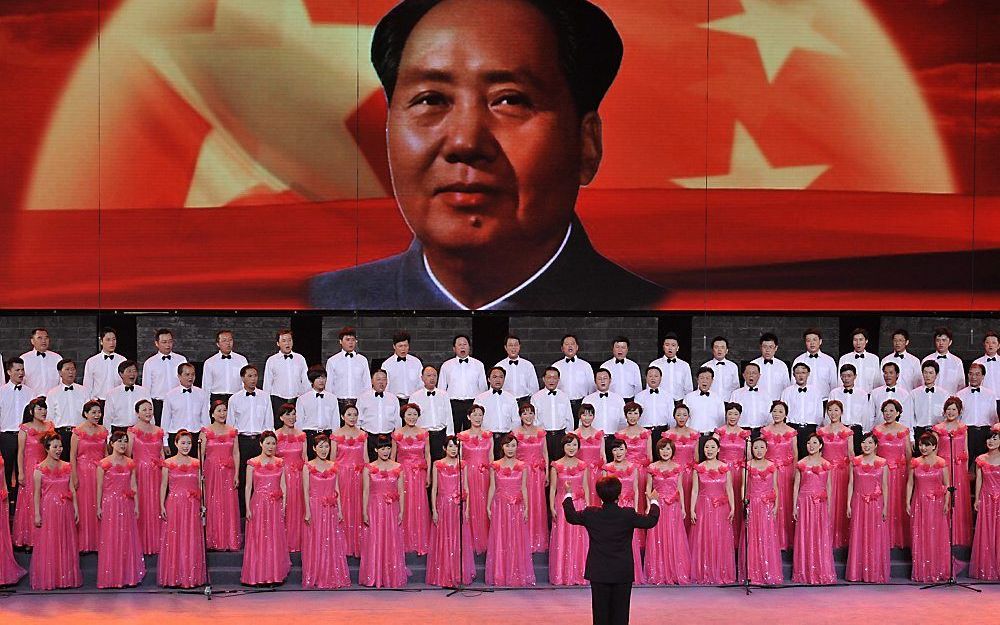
<point>403,368</point>
<point>220,375</point>
<point>185,407</point>
<point>435,411</point>
<point>675,372</point>
<point>251,413</point>
<point>979,410</point>
<point>347,373</point>
<point>727,376</point>
<point>857,409</point>
<point>822,367</point>
<point>519,379</point>
<point>119,410</point>
<point>657,405</point>
<point>928,401</point>
<point>14,396</point>
<point>869,370</point>
<point>892,389</point>
<point>65,403</point>
<point>379,411</point>
<point>100,372</point>
<point>159,371</point>
<point>991,345</point>
<point>500,409</point>
<point>463,377</point>
<point>576,375</point>
<point>285,375</point>
<point>805,405</point>
<point>706,407</point>
<point>755,402</point>
<point>774,376</point>
<point>625,377</point>
<point>951,376</point>
<point>553,411</point>
<point>317,410</point>
<point>909,365</point>
<point>40,363</point>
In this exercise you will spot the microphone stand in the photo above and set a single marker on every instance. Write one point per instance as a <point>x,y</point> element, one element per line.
<point>951,581</point>
<point>745,502</point>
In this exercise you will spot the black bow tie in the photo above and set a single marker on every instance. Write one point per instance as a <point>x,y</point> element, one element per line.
<point>400,358</point>
<point>41,354</point>
<point>900,356</point>
<point>287,356</point>
<point>654,391</point>
<point>17,387</point>
<point>619,361</point>
<point>226,356</point>
<point>769,361</point>
<point>129,388</point>
<point>704,393</point>
<point>603,394</point>
<point>814,355</point>
<point>186,390</point>
<point>513,362</point>
<point>571,359</point>
<point>68,388</point>
<point>856,356</point>
<point>942,358</point>
<point>803,389</point>
<point>552,392</point>
<point>431,393</point>
<point>849,391</point>
<point>929,390</point>
<point>108,356</point>
<point>991,359</point>
<point>463,361</point>
<point>751,389</point>
<point>975,390</point>
<point>319,395</point>
<point>671,360</point>
<point>890,389</point>
<point>379,394</point>
<point>167,357</point>
<point>251,393</point>
<point>497,391</point>
<point>720,362</point>
<point>349,354</point>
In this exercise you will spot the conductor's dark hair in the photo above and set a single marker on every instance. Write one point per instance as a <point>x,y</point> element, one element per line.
<point>609,488</point>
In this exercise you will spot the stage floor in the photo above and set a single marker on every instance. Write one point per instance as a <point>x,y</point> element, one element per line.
<point>815,606</point>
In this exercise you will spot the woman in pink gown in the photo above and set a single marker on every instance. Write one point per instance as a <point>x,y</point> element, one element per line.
<point>894,446</point>
<point>783,451</point>
<point>383,560</point>
<point>411,448</point>
<point>639,446</point>
<point>119,552</point>
<point>986,546</point>
<point>628,474</point>
<point>292,450</point>
<point>812,561</point>
<point>568,544</point>
<point>220,458</point>
<point>350,452</point>
<point>733,451</point>
<point>146,448</point>
<point>712,509</point>
<point>450,558</point>
<point>182,549</point>
<point>533,452</point>
<point>759,551</point>
<point>868,511</point>
<point>668,557</point>
<point>476,454</point>
<point>324,563</point>
<point>10,571</point>
<point>927,506</point>
<point>958,470</point>
<point>838,450</point>
<point>88,446</point>
<point>593,451</point>
<point>265,555</point>
<point>29,454</point>
<point>55,561</point>
<point>508,557</point>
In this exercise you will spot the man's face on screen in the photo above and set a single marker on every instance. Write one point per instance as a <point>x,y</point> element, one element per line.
<point>485,144</point>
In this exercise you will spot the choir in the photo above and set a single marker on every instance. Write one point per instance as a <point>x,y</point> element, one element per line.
<point>786,461</point>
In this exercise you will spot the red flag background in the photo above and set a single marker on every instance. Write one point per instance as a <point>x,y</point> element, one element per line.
<point>760,154</point>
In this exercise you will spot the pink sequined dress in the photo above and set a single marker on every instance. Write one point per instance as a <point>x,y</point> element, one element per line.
<point>781,451</point>
<point>760,556</point>
<point>350,459</point>
<point>568,544</point>
<point>668,556</point>
<point>892,447</point>
<point>929,522</point>
<point>592,452</point>
<point>90,449</point>
<point>685,454</point>
<point>959,471</point>
<point>290,450</point>
<point>733,451</point>
<point>24,511</point>
<point>508,557</point>
<point>635,452</point>
<point>986,545</point>
<point>812,561</point>
<point>529,451</point>
<point>10,571</point>
<point>324,563</point>
<point>449,561</point>
<point>383,563</point>
<point>476,458</point>
<point>55,560</point>
<point>416,507</point>
<point>711,536</point>
<point>868,555</point>
<point>181,562</point>
<point>836,448</point>
<point>265,556</point>
<point>147,448</point>
<point>119,552</point>
<point>222,517</point>
<point>629,477</point>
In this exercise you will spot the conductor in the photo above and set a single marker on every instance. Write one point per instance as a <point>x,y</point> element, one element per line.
<point>609,561</point>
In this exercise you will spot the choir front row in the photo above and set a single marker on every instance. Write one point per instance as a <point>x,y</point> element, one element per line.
<point>338,504</point>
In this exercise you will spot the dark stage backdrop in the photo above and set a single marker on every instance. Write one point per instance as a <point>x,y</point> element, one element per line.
<point>760,154</point>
